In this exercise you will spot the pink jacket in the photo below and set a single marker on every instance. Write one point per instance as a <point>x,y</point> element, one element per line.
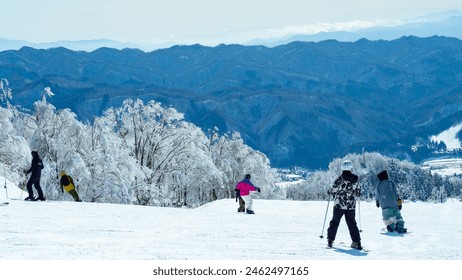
<point>245,187</point>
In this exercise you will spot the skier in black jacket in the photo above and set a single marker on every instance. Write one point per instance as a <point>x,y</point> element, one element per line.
<point>345,190</point>
<point>36,170</point>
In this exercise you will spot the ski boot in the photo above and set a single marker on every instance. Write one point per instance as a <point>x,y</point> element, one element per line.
<point>250,211</point>
<point>356,245</point>
<point>330,243</point>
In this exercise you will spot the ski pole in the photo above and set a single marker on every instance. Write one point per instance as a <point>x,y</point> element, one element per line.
<point>6,189</point>
<point>23,185</point>
<point>325,217</point>
<point>359,215</point>
<point>22,190</point>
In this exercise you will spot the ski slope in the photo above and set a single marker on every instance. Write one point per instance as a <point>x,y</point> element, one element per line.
<point>279,231</point>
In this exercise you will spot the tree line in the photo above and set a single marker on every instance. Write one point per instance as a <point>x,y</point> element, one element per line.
<point>148,154</point>
<point>413,182</point>
<point>143,154</point>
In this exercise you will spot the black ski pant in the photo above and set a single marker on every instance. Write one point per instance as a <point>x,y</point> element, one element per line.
<point>34,180</point>
<point>350,221</point>
<point>241,205</point>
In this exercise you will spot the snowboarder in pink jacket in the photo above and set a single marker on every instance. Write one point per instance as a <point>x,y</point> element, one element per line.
<point>244,189</point>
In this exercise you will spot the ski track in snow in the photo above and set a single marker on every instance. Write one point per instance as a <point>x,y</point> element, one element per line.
<point>280,230</point>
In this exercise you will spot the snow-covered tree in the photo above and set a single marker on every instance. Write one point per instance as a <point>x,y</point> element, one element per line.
<point>412,181</point>
<point>14,149</point>
<point>144,154</point>
<point>46,92</point>
<point>235,159</point>
<point>178,167</point>
<point>5,92</point>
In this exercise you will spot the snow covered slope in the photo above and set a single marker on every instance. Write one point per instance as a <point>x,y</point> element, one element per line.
<point>280,230</point>
<point>444,166</point>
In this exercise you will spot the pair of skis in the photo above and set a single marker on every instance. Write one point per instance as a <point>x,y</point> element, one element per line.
<point>343,247</point>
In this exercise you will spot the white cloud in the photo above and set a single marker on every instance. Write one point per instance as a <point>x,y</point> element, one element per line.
<point>327,27</point>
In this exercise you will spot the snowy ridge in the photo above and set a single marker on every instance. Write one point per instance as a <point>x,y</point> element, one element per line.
<point>280,230</point>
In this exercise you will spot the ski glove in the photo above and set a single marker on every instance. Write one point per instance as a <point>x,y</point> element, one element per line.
<point>377,204</point>
<point>258,189</point>
<point>400,204</point>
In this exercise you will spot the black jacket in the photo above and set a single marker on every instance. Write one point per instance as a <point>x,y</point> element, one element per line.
<point>36,166</point>
<point>345,190</point>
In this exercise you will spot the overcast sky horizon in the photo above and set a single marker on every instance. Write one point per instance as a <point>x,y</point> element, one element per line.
<point>208,22</point>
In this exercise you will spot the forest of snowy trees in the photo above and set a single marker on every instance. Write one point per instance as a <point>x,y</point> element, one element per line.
<point>413,182</point>
<point>143,154</point>
<point>147,154</point>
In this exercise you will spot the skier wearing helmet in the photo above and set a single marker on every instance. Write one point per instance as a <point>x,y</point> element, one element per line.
<point>345,190</point>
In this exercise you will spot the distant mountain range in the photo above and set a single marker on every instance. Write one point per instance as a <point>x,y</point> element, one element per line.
<point>446,23</point>
<point>301,103</point>
<point>81,45</point>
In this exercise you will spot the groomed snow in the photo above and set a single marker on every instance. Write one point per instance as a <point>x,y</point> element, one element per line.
<point>280,230</point>
<point>63,239</point>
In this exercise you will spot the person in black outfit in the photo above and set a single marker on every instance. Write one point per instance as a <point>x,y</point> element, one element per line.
<point>344,191</point>
<point>36,170</point>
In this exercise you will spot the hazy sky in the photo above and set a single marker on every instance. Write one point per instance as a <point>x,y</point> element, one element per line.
<point>208,22</point>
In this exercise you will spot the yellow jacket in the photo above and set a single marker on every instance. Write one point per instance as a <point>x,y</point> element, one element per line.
<point>67,182</point>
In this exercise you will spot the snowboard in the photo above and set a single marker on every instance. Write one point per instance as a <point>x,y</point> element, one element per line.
<point>384,231</point>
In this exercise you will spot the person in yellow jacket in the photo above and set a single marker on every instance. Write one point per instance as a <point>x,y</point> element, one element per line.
<point>67,184</point>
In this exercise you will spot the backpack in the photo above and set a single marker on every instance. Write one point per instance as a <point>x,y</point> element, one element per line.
<point>67,183</point>
<point>65,180</point>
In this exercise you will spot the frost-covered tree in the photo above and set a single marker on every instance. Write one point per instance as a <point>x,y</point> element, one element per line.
<point>46,92</point>
<point>6,93</point>
<point>172,151</point>
<point>139,153</point>
<point>235,159</point>
<point>454,185</point>
<point>102,167</point>
<point>13,147</point>
<point>412,181</point>
<point>107,171</point>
